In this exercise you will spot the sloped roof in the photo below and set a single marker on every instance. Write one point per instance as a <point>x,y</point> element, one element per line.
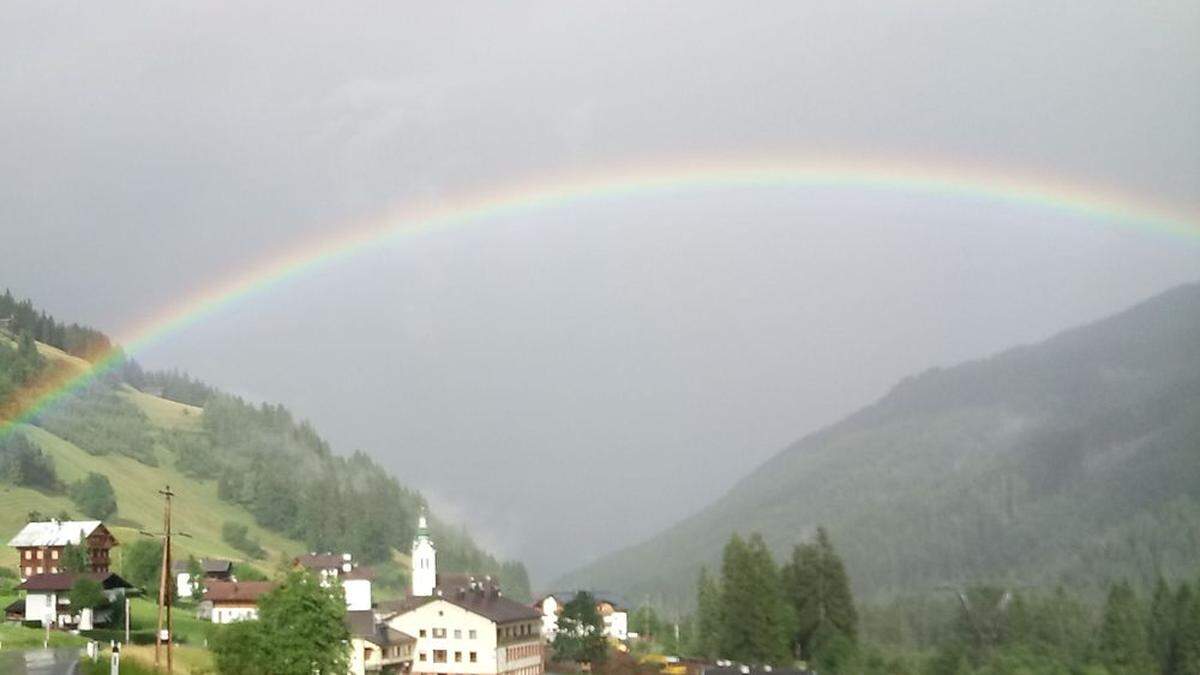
<point>489,604</point>
<point>54,533</point>
<point>63,581</point>
<point>236,591</point>
<point>362,624</point>
<point>321,561</point>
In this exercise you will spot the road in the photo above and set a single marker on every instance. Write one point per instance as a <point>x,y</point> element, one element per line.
<point>39,662</point>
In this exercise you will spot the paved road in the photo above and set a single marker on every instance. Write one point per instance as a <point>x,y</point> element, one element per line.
<point>39,662</point>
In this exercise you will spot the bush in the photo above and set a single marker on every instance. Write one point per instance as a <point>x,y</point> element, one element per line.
<point>23,463</point>
<point>94,496</point>
<point>236,535</point>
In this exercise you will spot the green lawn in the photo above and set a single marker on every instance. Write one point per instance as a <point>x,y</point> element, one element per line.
<point>143,615</point>
<point>197,511</point>
<point>14,636</point>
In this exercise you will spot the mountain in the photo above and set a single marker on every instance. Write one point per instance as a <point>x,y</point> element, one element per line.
<point>1072,461</point>
<point>250,481</point>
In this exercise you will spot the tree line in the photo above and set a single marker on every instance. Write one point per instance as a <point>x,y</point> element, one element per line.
<point>24,319</point>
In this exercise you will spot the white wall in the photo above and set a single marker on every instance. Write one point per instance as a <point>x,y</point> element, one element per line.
<point>616,625</point>
<point>444,615</point>
<point>232,614</point>
<point>183,585</point>
<point>358,594</point>
<point>41,607</point>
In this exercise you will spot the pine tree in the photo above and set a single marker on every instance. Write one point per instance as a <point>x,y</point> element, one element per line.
<point>1185,647</point>
<point>817,586</point>
<point>707,638</point>
<point>1161,627</point>
<point>754,616</point>
<point>1123,634</point>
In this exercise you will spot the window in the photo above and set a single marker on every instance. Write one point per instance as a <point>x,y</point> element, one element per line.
<point>439,656</point>
<point>439,632</point>
<point>458,657</point>
<point>28,554</point>
<point>40,569</point>
<point>472,635</point>
<point>54,554</point>
<point>41,553</point>
<point>474,657</point>
<point>457,634</point>
<point>421,656</point>
<point>28,571</point>
<point>422,633</point>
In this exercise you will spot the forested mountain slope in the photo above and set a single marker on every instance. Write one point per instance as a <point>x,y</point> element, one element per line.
<point>251,482</point>
<point>1073,461</point>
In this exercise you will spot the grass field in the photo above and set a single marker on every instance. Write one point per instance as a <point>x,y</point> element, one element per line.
<point>197,511</point>
<point>13,636</point>
<point>143,615</point>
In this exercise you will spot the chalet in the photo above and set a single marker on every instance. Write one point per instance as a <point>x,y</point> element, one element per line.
<point>211,569</point>
<point>46,599</point>
<point>230,601</point>
<point>375,647</point>
<point>463,624</point>
<point>611,608</point>
<point>40,545</point>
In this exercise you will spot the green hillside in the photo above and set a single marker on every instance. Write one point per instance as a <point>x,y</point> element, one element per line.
<point>231,464</point>
<point>1073,461</point>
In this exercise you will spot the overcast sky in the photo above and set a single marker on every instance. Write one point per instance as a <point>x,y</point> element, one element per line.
<point>570,380</point>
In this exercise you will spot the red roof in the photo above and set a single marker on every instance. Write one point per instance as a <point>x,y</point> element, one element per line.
<point>236,591</point>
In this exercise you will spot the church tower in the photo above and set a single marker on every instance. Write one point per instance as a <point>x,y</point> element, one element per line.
<point>424,561</point>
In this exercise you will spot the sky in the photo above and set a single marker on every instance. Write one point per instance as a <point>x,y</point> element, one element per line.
<point>569,380</point>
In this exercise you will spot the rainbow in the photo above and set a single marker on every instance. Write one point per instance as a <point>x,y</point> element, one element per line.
<point>952,182</point>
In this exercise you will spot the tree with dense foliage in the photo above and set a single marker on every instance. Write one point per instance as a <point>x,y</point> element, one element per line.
<point>300,630</point>
<point>1122,640</point>
<point>755,619</point>
<point>236,535</point>
<point>23,463</point>
<point>580,637</point>
<point>94,496</point>
<point>1185,644</point>
<point>86,593</point>
<point>818,590</point>
<point>645,622</point>
<point>706,636</point>
<point>1160,628</point>
<point>141,563</point>
<point>73,559</point>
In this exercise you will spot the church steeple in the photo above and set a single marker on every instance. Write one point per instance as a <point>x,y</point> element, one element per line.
<point>424,560</point>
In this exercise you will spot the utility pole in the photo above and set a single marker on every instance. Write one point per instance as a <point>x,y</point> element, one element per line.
<point>164,586</point>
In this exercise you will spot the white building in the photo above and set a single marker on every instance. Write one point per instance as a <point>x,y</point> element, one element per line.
<point>462,624</point>
<point>210,569</point>
<point>424,561</point>
<point>230,601</point>
<point>613,612</point>
<point>340,568</point>
<point>46,598</point>
<point>376,648</point>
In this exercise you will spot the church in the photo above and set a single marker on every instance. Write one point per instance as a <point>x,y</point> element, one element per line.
<point>462,623</point>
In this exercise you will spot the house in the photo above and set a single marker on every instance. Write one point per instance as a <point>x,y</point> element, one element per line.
<point>340,567</point>
<point>375,647</point>
<point>40,545</point>
<point>46,599</point>
<point>211,569</point>
<point>611,608</point>
<point>463,624</point>
<point>736,669</point>
<point>230,601</point>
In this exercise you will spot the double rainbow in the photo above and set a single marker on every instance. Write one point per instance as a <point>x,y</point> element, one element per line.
<point>1102,207</point>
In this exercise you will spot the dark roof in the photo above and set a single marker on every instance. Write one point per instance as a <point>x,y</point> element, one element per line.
<point>362,624</point>
<point>321,561</point>
<point>360,573</point>
<point>63,581</point>
<point>234,591</point>
<point>492,605</point>
<point>393,607</point>
<point>17,607</point>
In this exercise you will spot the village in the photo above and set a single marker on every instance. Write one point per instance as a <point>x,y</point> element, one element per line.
<point>447,623</point>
